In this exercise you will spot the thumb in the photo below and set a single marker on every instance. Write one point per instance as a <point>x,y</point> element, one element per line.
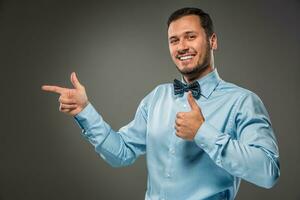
<point>192,101</point>
<point>75,81</point>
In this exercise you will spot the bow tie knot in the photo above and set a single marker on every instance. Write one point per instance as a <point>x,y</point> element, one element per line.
<point>180,88</point>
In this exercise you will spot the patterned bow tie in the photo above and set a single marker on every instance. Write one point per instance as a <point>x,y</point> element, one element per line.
<point>180,88</point>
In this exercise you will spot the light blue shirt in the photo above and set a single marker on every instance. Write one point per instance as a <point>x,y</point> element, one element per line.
<point>235,142</point>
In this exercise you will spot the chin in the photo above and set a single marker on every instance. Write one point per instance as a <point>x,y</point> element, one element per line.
<point>187,69</point>
<point>192,70</point>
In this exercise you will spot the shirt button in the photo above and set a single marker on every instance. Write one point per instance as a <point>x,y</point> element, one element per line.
<point>218,161</point>
<point>172,151</point>
<point>202,145</point>
<point>184,105</point>
<point>168,175</point>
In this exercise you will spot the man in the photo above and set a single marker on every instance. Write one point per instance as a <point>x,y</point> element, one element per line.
<point>202,135</point>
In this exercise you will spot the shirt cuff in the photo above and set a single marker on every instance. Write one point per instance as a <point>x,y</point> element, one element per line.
<point>206,137</point>
<point>87,117</point>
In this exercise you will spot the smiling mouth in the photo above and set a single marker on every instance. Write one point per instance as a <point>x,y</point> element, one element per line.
<point>185,57</point>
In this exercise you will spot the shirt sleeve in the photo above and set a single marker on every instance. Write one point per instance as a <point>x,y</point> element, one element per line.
<point>118,148</point>
<point>253,154</point>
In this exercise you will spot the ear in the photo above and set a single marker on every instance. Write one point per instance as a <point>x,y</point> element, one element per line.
<point>213,42</point>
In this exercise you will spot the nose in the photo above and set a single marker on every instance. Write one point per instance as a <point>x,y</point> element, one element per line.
<point>182,47</point>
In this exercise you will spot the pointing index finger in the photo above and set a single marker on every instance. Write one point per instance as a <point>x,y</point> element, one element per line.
<point>55,89</point>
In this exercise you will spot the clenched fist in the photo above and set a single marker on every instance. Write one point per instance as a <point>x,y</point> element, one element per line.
<point>188,123</point>
<point>72,101</point>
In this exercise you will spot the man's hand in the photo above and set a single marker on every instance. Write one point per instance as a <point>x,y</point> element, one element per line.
<point>72,101</point>
<point>188,123</point>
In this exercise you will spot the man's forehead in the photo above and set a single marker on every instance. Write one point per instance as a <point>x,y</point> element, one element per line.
<point>189,23</point>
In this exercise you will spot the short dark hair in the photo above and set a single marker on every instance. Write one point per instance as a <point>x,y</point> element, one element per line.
<point>205,19</point>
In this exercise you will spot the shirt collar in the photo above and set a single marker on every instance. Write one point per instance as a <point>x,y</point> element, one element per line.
<point>208,83</point>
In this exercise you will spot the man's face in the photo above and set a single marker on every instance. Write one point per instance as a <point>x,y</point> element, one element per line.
<point>188,44</point>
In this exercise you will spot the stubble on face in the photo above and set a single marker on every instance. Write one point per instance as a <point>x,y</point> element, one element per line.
<point>200,66</point>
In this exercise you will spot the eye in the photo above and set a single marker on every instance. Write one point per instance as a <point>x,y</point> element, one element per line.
<point>191,37</point>
<point>173,41</point>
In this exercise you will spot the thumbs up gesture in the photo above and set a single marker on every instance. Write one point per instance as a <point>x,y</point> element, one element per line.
<point>188,123</point>
<point>72,101</point>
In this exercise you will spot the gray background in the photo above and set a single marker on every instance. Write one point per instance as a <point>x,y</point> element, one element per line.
<point>119,51</point>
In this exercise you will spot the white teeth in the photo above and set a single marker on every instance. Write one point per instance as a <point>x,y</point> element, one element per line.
<point>185,57</point>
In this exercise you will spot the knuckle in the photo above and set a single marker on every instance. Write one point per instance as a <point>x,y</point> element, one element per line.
<point>180,115</point>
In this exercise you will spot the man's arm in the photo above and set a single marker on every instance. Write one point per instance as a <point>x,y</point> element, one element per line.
<point>117,148</point>
<point>253,155</point>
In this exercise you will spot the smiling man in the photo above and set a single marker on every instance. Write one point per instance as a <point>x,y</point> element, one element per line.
<point>201,134</point>
<point>191,46</point>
